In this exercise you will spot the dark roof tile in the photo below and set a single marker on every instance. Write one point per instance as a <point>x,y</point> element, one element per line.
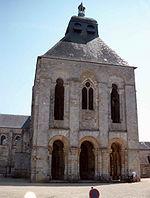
<point>14,121</point>
<point>79,44</point>
<point>95,51</point>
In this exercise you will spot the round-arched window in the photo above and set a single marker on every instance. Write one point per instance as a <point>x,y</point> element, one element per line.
<point>3,140</point>
<point>59,100</point>
<point>17,140</point>
<point>90,29</point>
<point>77,28</point>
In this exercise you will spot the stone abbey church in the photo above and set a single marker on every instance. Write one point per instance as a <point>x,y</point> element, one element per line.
<point>83,124</point>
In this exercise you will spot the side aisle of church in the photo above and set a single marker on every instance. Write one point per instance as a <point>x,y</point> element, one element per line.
<point>15,145</point>
<point>83,124</point>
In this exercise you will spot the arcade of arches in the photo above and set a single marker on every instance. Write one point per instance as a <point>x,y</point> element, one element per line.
<point>87,161</point>
<point>58,160</point>
<point>91,160</point>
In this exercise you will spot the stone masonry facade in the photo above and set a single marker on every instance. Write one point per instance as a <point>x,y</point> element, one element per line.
<point>83,123</point>
<point>80,125</point>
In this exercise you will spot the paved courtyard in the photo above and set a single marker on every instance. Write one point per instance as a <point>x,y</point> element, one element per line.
<point>10,188</point>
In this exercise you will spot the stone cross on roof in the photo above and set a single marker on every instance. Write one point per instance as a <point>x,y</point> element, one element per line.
<point>81,10</point>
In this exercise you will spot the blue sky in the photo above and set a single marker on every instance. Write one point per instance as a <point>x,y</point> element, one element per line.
<point>30,27</point>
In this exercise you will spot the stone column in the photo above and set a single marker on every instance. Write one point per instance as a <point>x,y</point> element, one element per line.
<point>10,154</point>
<point>100,163</point>
<point>123,163</point>
<point>66,163</point>
<point>103,128</point>
<point>33,164</point>
<point>74,113</point>
<point>50,162</point>
<point>42,166</point>
<point>126,163</point>
<point>74,130</point>
<point>97,153</point>
<point>103,114</point>
<point>132,129</point>
<point>40,131</point>
<point>105,164</point>
<point>74,164</point>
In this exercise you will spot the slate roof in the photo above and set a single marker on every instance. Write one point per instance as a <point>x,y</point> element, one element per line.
<point>94,51</point>
<point>14,121</point>
<point>144,145</point>
<point>79,44</point>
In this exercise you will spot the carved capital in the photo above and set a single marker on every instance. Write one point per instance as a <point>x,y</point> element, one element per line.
<point>74,150</point>
<point>65,150</point>
<point>50,150</point>
<point>109,151</point>
<point>35,158</point>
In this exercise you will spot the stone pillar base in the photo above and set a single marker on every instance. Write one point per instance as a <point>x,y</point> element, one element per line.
<point>39,177</point>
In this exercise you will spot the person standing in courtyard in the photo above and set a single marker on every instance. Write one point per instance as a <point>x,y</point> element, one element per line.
<point>94,193</point>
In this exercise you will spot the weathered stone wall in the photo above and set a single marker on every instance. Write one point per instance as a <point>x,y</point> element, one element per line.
<point>144,163</point>
<point>22,165</point>
<point>11,146</point>
<point>8,149</point>
<point>4,155</point>
<point>80,125</point>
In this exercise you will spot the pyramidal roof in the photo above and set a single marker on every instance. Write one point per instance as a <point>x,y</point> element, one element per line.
<point>82,42</point>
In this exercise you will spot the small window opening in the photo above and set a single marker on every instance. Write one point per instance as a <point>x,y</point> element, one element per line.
<point>90,29</point>
<point>91,98</point>
<point>87,97</point>
<point>17,139</point>
<point>115,104</point>
<point>84,98</point>
<point>148,157</point>
<point>59,100</point>
<point>87,84</point>
<point>3,140</point>
<point>77,28</point>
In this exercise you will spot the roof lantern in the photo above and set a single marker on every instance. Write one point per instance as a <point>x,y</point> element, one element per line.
<point>82,42</point>
<point>81,10</point>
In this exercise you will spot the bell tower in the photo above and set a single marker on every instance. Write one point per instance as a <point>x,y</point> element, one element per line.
<point>84,109</point>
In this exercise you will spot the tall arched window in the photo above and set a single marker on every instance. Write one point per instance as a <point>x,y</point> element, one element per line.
<point>115,104</point>
<point>87,161</point>
<point>59,100</point>
<point>148,157</point>
<point>3,140</point>
<point>84,98</point>
<point>87,97</point>
<point>91,98</point>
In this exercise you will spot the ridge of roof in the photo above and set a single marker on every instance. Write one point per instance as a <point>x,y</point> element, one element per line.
<point>5,114</point>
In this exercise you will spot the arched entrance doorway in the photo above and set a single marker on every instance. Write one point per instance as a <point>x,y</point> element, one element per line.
<point>87,161</point>
<point>58,164</point>
<point>115,161</point>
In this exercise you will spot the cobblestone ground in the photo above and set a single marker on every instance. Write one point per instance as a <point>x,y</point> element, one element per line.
<point>17,189</point>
